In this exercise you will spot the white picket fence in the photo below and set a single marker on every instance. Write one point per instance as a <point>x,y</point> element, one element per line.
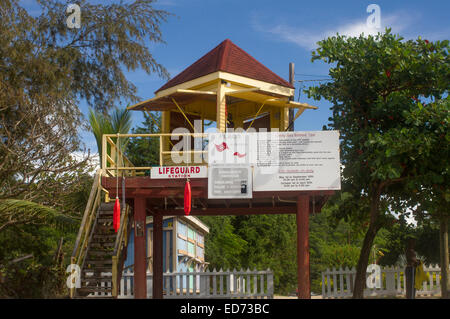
<point>338,283</point>
<point>207,284</point>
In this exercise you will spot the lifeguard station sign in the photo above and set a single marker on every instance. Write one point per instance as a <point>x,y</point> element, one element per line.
<point>178,172</point>
<point>281,161</point>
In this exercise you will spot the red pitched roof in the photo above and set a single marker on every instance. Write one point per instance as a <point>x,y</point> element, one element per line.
<point>227,57</point>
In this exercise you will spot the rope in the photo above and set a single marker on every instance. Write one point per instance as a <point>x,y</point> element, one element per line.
<point>123,191</point>
<point>254,118</point>
<point>182,112</point>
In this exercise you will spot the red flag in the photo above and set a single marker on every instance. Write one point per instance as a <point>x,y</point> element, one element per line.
<point>221,147</point>
<point>187,198</point>
<point>116,215</point>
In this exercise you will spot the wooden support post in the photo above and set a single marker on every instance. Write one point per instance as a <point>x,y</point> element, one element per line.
<point>157,256</point>
<point>165,128</point>
<point>73,261</point>
<point>115,277</point>
<point>140,254</point>
<point>284,118</point>
<point>221,120</point>
<point>303,281</point>
<point>291,98</point>
<point>443,240</point>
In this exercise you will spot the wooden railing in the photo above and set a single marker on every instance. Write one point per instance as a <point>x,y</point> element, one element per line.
<point>120,246</point>
<point>87,225</point>
<point>113,158</point>
<point>114,161</point>
<point>338,283</point>
<point>204,285</point>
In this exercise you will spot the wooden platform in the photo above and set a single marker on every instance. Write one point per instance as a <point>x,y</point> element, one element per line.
<point>165,197</point>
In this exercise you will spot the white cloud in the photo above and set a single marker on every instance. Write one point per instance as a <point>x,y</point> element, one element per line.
<point>94,160</point>
<point>308,37</point>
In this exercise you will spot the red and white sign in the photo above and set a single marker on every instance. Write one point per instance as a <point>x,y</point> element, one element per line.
<point>179,172</point>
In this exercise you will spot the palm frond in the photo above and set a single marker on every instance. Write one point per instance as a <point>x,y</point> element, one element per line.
<point>17,211</point>
<point>121,122</point>
<point>100,124</point>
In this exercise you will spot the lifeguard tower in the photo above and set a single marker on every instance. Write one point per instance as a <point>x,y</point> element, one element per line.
<point>227,87</point>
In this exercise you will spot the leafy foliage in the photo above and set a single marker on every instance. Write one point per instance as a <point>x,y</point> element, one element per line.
<point>271,243</point>
<point>45,68</point>
<point>223,246</point>
<point>377,81</point>
<point>111,36</point>
<point>145,151</point>
<point>43,275</point>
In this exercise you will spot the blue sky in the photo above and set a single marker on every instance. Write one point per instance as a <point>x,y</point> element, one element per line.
<point>275,33</point>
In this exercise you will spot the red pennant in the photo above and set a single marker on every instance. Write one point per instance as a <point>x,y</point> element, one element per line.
<point>187,198</point>
<point>116,215</point>
<point>221,147</point>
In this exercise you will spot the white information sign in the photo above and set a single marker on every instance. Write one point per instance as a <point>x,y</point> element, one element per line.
<point>297,161</point>
<point>178,172</point>
<point>229,181</point>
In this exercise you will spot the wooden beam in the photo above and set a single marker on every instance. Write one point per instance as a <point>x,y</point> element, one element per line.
<point>303,281</point>
<point>230,211</point>
<point>232,92</point>
<point>284,119</point>
<point>140,258</point>
<point>265,86</point>
<point>196,92</point>
<point>144,182</point>
<point>221,120</point>
<point>157,257</point>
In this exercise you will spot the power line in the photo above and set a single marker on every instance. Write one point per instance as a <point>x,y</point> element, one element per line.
<point>315,80</point>
<point>302,85</point>
<point>318,75</point>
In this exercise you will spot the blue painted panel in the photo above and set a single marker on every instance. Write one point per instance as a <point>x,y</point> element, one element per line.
<point>130,250</point>
<point>182,229</point>
<point>181,244</point>
<point>200,252</point>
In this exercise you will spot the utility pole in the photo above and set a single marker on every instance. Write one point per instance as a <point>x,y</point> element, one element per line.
<point>291,98</point>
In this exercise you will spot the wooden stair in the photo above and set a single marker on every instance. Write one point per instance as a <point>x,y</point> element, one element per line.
<point>98,261</point>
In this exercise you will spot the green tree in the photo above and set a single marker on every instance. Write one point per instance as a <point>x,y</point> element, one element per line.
<point>144,151</point>
<point>426,234</point>
<point>31,263</point>
<point>45,67</point>
<point>375,79</point>
<point>111,38</point>
<point>32,231</point>
<point>222,245</point>
<point>271,243</point>
<point>430,125</point>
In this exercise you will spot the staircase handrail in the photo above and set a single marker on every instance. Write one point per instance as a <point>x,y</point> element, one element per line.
<point>89,216</point>
<point>118,257</point>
